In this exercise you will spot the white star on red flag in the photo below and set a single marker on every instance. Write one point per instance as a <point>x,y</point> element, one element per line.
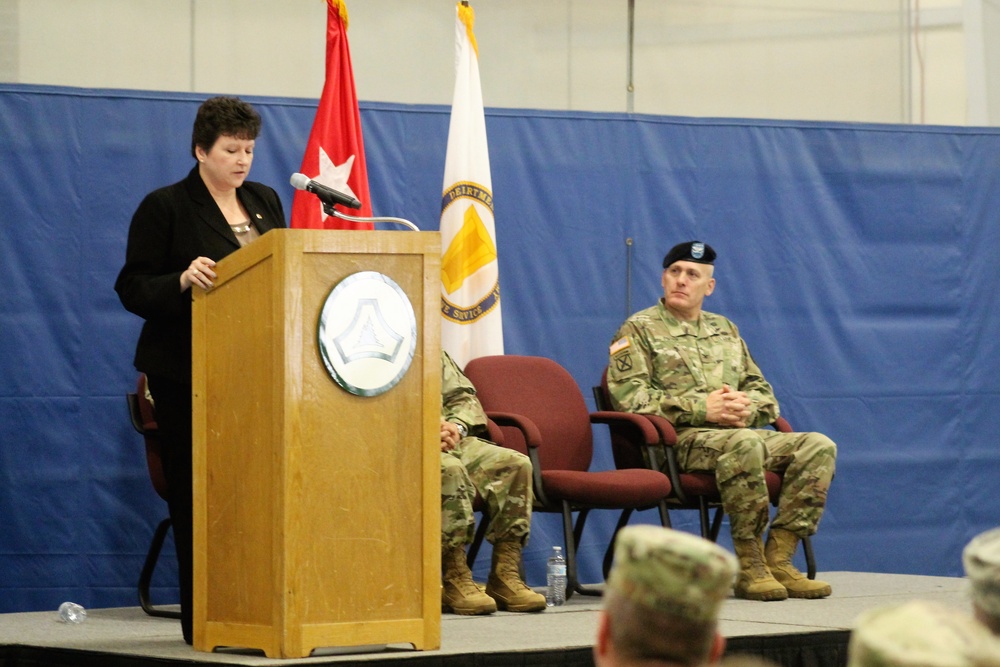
<point>334,176</point>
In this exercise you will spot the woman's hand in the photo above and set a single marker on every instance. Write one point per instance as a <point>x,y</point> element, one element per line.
<point>199,273</point>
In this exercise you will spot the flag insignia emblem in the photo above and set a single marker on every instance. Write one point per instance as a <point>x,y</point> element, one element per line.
<point>470,249</point>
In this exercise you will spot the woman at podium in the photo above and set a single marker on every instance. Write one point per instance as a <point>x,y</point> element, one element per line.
<point>176,236</point>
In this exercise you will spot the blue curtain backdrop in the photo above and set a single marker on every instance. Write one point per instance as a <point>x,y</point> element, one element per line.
<point>858,260</point>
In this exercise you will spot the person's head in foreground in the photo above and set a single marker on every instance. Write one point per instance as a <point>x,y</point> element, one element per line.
<point>981,559</point>
<point>662,599</point>
<point>921,634</point>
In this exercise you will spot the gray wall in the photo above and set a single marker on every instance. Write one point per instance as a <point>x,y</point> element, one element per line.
<point>851,60</point>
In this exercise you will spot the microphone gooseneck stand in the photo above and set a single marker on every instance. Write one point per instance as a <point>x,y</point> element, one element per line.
<point>331,211</point>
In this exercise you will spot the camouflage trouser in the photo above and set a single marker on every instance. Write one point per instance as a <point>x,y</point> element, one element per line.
<point>739,458</point>
<point>503,479</point>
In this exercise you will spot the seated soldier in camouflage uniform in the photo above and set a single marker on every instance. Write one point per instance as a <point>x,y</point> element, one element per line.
<point>662,600</point>
<point>692,367</point>
<point>503,479</point>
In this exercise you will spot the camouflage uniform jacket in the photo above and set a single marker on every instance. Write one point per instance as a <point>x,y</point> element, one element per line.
<point>665,366</point>
<point>458,398</point>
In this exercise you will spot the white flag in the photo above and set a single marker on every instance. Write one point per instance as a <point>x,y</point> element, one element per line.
<point>470,287</point>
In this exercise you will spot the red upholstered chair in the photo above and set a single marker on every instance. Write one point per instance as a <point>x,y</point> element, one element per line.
<point>542,413</point>
<point>691,490</point>
<point>144,421</point>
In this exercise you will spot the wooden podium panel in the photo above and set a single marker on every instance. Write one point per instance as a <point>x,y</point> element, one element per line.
<point>316,511</point>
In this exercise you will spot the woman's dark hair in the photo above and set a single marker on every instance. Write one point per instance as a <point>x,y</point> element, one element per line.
<point>219,116</point>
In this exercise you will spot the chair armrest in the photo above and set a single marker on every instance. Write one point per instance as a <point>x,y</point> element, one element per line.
<point>528,429</point>
<point>781,424</point>
<point>638,423</point>
<point>493,430</point>
<point>533,439</point>
<point>668,436</point>
<point>648,433</point>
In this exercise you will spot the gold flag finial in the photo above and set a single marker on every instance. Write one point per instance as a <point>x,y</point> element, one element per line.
<point>468,16</point>
<point>341,8</point>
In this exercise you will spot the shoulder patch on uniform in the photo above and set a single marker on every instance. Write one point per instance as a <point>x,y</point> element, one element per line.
<point>619,345</point>
<point>621,354</point>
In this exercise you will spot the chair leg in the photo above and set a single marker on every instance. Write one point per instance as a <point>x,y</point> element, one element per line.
<point>146,576</point>
<point>664,515</point>
<point>609,553</point>
<point>581,521</point>
<point>570,535</point>
<point>703,517</point>
<point>807,547</point>
<point>716,523</point>
<point>571,583</point>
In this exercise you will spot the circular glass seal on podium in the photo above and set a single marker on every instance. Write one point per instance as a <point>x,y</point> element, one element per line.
<point>367,333</point>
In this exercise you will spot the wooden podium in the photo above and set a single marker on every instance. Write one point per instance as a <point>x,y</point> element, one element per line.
<point>317,512</point>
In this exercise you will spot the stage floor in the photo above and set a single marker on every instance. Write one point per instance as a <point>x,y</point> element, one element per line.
<point>563,635</point>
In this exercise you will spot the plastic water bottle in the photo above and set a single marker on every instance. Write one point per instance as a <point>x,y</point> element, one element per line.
<point>71,612</point>
<point>555,594</point>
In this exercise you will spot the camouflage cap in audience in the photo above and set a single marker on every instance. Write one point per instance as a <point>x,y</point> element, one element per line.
<point>982,565</point>
<point>921,634</point>
<point>673,572</point>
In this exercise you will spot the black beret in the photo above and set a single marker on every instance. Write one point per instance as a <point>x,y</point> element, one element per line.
<point>692,251</point>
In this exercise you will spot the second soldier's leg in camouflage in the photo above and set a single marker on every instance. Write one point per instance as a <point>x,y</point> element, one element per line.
<point>459,593</point>
<point>808,461</point>
<point>737,456</point>
<point>503,478</point>
<point>457,494</point>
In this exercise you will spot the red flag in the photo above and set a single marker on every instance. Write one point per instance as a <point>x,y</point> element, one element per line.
<point>335,154</point>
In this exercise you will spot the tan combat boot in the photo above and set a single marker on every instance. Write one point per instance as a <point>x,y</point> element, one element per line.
<point>505,585</point>
<point>781,546</point>
<point>459,593</point>
<point>755,581</point>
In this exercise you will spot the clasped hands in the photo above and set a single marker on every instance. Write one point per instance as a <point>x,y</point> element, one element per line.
<point>449,436</point>
<point>728,407</point>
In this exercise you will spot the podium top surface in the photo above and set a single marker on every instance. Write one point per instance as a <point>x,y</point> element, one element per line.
<point>294,242</point>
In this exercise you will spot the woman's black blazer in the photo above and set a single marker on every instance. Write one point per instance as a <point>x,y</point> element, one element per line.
<point>172,226</point>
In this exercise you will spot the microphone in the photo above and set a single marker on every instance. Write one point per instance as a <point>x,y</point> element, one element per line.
<point>328,196</point>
